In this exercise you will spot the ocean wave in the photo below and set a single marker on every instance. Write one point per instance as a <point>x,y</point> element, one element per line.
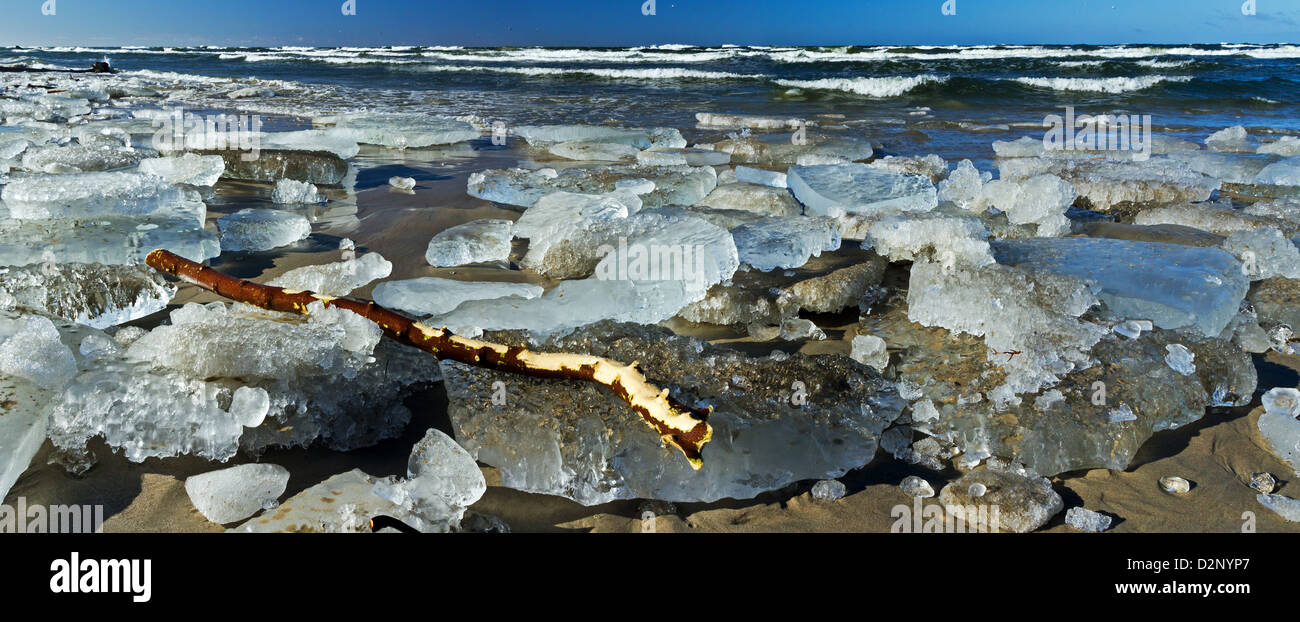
<point>1164,64</point>
<point>539,55</point>
<point>871,87</point>
<point>658,73</point>
<point>1101,85</point>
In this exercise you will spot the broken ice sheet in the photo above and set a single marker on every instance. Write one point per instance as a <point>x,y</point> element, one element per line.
<point>1106,183</point>
<point>837,189</point>
<point>577,440</point>
<point>261,229</point>
<point>336,279</point>
<point>753,198</point>
<point>785,242</point>
<point>34,367</point>
<point>543,136</point>
<point>674,185</point>
<point>88,195</point>
<point>433,296</point>
<point>1173,285</point>
<point>189,168</point>
<point>105,240</point>
<point>399,130</point>
<point>92,294</point>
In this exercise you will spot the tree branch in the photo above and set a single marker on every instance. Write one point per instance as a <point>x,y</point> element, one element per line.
<point>682,427</point>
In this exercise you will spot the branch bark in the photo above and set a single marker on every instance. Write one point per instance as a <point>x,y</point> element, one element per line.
<point>678,425</point>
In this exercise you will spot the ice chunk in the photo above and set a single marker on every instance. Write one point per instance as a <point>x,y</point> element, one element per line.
<point>107,240</point>
<point>870,350</point>
<point>1034,315</point>
<point>674,185</point>
<point>478,241</point>
<point>442,478</point>
<point>338,142</point>
<point>577,440</point>
<point>542,136</point>
<point>1235,169</point>
<point>1264,253</point>
<point>780,149</point>
<point>558,216</point>
<point>1285,507</point>
<point>1021,502</point>
<point>1283,173</point>
<point>249,405</point>
<point>433,296</point>
<point>1279,427</point>
<point>1211,217</point>
<point>35,353</point>
<point>1087,520</point>
<point>1180,359</point>
<point>761,177</point>
<point>609,152</point>
<point>714,120</point>
<point>688,157</point>
<point>78,158</point>
<point>931,166</point>
<point>271,165</point>
<point>753,198</point>
<point>328,378</point>
<point>1041,200</point>
<point>829,490</point>
<point>92,294</point>
<point>336,279</point>
<point>627,286</point>
<point>22,426</point>
<point>231,495</point>
<point>1173,285</point>
<point>402,183</point>
<point>833,190</point>
<point>261,229</point>
<point>1285,146</point>
<point>192,169</point>
<point>785,242</point>
<point>949,239</point>
<point>400,130</point>
<point>965,187</point>
<point>88,195</point>
<point>288,191</point>
<point>1106,183</point>
<point>1232,140</point>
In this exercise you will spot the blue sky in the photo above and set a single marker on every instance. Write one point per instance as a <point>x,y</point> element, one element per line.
<point>621,22</point>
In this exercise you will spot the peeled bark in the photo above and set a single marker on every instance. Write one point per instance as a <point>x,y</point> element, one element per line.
<point>678,425</point>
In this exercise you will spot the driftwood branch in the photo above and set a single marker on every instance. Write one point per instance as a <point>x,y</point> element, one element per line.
<point>680,426</point>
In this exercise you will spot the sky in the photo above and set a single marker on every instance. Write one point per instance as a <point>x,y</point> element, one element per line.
<point>624,22</point>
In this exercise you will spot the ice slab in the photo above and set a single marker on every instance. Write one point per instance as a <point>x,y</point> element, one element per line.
<point>336,279</point>
<point>271,165</point>
<point>1172,285</point>
<point>836,189</point>
<point>400,130</point>
<point>87,195</point>
<point>477,241</point>
<point>785,242</point>
<point>1106,183</point>
<point>189,168</point>
<point>607,152</point>
<point>761,177</point>
<point>261,229</point>
<point>78,158</point>
<point>1283,173</point>
<point>951,239</point>
<point>1235,169</point>
<point>96,295</point>
<point>753,198</point>
<point>433,296</point>
<point>108,240</point>
<point>1231,140</point>
<point>674,185</point>
<point>577,440</point>
<point>543,136</point>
